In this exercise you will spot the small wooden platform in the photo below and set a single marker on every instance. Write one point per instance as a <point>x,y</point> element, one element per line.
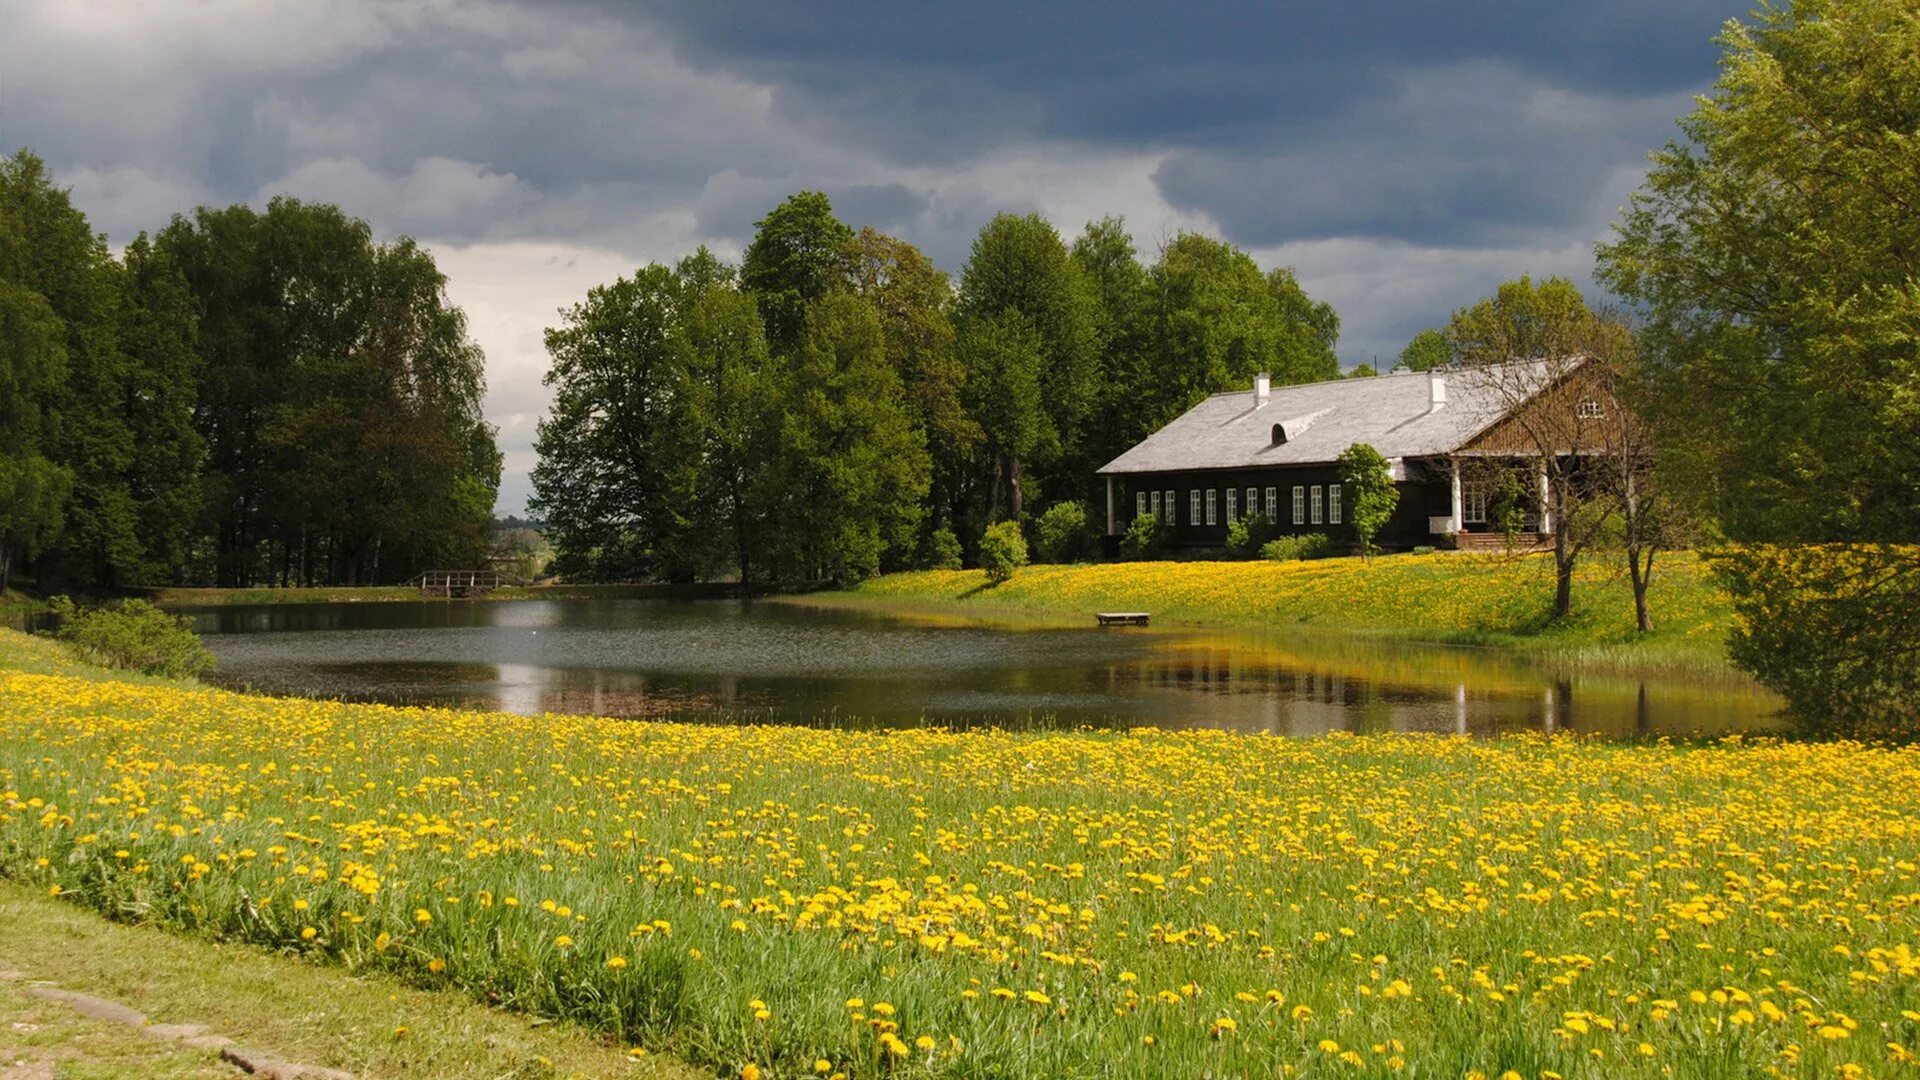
<point>1122,618</point>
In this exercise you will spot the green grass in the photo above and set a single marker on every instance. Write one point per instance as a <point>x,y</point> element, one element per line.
<point>263,1000</point>
<point>1072,904</point>
<point>1492,600</point>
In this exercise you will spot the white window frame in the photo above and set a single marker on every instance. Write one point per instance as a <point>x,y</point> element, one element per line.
<point>1172,508</point>
<point>1319,503</point>
<point>1233,503</point>
<point>1273,505</point>
<point>1476,502</point>
<point>1193,506</point>
<point>1213,507</point>
<point>1253,501</point>
<point>1155,504</point>
<point>1333,504</point>
<point>1299,505</point>
<point>1139,504</point>
<point>1589,410</point>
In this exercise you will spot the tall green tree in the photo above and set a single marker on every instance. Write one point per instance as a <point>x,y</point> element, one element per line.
<point>1019,264</point>
<point>1006,358</point>
<point>1117,280</point>
<point>1309,332</point>
<point>1215,325</point>
<point>1775,254</point>
<point>340,399</point>
<point>113,425</point>
<point>914,302</point>
<point>617,370</point>
<point>726,488</point>
<point>1428,349</point>
<point>799,254</point>
<point>854,465</point>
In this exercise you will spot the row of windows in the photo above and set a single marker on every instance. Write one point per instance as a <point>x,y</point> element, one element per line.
<point>1317,505</point>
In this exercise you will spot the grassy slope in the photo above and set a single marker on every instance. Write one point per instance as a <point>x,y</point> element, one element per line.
<point>1451,598</point>
<point>297,1010</point>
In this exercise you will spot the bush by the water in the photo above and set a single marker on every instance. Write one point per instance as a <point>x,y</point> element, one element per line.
<point>1293,548</point>
<point>942,550</point>
<point>1247,535</point>
<point>132,635</point>
<point>1146,538</point>
<point>1061,535</point>
<point>1002,550</point>
<point>1833,628</point>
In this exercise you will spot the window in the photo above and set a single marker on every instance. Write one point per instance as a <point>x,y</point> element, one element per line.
<point>1140,503</point>
<point>1589,410</point>
<point>1333,504</point>
<point>1316,503</point>
<point>1213,517</point>
<point>1173,510</point>
<point>1299,505</point>
<point>1193,507</point>
<point>1473,500</point>
<point>1253,502</point>
<point>1273,504</point>
<point>1233,503</point>
<point>1156,504</point>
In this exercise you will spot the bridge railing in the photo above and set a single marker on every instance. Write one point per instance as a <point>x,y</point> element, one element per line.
<point>462,582</point>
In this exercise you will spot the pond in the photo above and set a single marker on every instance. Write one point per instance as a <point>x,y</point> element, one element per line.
<point>782,662</point>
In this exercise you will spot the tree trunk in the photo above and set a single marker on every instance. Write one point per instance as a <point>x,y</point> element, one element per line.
<point>1640,571</point>
<point>1563,574</point>
<point>1013,479</point>
<point>993,498</point>
<point>6,559</point>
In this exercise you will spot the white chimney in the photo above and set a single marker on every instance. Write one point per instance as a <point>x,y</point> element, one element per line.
<point>1436,390</point>
<point>1260,389</point>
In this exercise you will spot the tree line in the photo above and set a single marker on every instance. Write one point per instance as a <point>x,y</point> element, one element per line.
<point>245,397</point>
<point>835,405</point>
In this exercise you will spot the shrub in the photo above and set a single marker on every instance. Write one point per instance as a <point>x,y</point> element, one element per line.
<point>1002,550</point>
<point>1061,535</point>
<point>1247,535</point>
<point>1303,546</point>
<point>942,550</point>
<point>1424,549</point>
<point>1147,537</point>
<point>1369,487</point>
<point>133,635</point>
<point>1833,628</point>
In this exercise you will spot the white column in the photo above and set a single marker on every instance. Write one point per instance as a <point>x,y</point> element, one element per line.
<point>1546,516</point>
<point>1458,512</point>
<point>1110,529</point>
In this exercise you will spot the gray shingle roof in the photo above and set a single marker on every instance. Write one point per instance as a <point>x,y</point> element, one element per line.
<point>1227,431</point>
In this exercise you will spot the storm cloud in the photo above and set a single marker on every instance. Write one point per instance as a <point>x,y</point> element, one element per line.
<point>1403,156</point>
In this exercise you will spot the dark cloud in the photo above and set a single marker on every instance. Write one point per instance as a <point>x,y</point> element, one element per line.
<point>1403,155</point>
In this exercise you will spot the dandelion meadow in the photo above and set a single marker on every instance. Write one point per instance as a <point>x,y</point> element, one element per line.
<point>785,902</point>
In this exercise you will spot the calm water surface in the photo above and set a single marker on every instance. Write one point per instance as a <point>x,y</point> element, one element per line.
<point>784,662</point>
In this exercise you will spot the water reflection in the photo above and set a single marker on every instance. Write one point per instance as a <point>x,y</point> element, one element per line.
<point>777,662</point>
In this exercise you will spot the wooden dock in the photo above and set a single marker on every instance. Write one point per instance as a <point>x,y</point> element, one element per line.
<point>1122,618</point>
<point>452,583</point>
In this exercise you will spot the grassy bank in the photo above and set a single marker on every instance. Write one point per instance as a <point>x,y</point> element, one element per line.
<point>1448,598</point>
<point>265,1000</point>
<point>1068,904</point>
<point>347,594</point>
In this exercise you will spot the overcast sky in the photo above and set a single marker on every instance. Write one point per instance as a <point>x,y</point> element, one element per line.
<point>1403,157</point>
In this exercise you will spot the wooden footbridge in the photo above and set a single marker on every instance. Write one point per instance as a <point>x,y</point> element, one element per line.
<point>467,583</point>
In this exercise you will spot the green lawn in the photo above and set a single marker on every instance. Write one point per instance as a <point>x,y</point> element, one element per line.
<point>1496,600</point>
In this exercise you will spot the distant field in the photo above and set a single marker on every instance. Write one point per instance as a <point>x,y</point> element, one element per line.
<point>781,902</point>
<point>1443,597</point>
